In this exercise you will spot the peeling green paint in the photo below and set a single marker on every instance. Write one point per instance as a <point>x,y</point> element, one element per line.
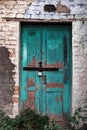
<point>48,93</point>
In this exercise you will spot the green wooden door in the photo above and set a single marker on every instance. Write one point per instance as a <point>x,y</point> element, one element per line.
<point>45,78</point>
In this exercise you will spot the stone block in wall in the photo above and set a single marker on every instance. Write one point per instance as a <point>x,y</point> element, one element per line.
<point>79,16</point>
<point>19,15</point>
<point>83,2</point>
<point>15,99</point>
<point>10,43</point>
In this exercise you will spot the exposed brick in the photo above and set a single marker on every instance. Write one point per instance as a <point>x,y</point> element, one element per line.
<point>15,99</point>
<point>16,92</point>
<point>62,8</point>
<point>6,80</point>
<point>16,88</point>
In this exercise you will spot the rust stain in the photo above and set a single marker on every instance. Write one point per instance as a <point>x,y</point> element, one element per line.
<point>33,62</point>
<point>31,100</point>
<point>57,64</point>
<point>62,8</point>
<point>31,82</point>
<point>54,85</point>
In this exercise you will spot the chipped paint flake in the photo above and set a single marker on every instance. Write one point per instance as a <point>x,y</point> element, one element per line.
<point>57,64</point>
<point>31,82</point>
<point>31,100</point>
<point>54,85</point>
<point>33,62</point>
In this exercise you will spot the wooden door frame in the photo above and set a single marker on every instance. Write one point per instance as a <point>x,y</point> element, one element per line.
<point>47,23</point>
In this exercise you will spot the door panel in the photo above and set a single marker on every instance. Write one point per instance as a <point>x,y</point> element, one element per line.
<point>46,90</point>
<point>33,58</point>
<point>54,103</point>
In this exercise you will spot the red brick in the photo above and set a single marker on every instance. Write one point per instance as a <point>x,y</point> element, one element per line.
<point>16,88</point>
<point>16,92</point>
<point>15,99</point>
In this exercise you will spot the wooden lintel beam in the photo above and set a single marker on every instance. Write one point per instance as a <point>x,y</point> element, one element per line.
<point>43,20</point>
<point>37,20</point>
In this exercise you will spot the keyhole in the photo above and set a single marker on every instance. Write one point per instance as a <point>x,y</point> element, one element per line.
<point>40,64</point>
<point>40,71</point>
